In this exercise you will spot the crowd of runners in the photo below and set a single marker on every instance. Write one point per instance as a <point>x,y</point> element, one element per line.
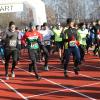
<point>42,41</point>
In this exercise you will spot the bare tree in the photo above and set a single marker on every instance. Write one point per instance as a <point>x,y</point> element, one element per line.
<point>77,9</point>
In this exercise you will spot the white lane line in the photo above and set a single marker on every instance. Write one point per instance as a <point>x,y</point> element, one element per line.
<point>70,89</point>
<point>98,79</point>
<point>61,86</point>
<point>10,87</point>
<point>63,90</point>
<point>47,93</point>
<point>87,85</point>
<point>92,66</point>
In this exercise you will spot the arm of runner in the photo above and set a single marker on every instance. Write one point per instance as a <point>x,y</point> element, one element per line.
<point>23,40</point>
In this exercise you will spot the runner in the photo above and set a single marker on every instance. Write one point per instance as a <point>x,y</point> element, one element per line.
<point>58,39</point>
<point>31,39</point>
<point>71,46</point>
<point>47,34</point>
<point>98,41</point>
<point>10,40</point>
<point>82,35</point>
<point>96,38</point>
<point>20,35</point>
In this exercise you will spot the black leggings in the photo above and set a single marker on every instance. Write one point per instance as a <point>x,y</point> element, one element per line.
<point>33,54</point>
<point>82,49</point>
<point>46,55</point>
<point>8,54</point>
<point>76,57</point>
<point>97,49</point>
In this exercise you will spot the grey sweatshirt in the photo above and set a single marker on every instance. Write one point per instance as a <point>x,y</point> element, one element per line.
<point>10,40</point>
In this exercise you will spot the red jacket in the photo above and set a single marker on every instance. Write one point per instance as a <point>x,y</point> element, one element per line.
<point>29,34</point>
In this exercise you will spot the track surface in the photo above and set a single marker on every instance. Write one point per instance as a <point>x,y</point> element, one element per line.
<point>53,85</point>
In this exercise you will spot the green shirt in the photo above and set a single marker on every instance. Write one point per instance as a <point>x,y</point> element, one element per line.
<point>82,36</point>
<point>57,33</point>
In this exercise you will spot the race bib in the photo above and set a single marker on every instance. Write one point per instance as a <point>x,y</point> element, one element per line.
<point>13,43</point>
<point>72,43</point>
<point>46,42</point>
<point>34,45</point>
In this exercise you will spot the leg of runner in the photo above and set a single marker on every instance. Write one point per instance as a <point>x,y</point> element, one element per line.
<point>60,47</point>
<point>95,50</point>
<point>66,61</point>
<point>82,52</point>
<point>99,50</point>
<point>76,54</point>
<point>14,63</point>
<point>7,58</point>
<point>32,55</point>
<point>46,55</point>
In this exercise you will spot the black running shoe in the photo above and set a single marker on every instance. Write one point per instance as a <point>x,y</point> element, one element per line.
<point>76,71</point>
<point>65,75</point>
<point>38,77</point>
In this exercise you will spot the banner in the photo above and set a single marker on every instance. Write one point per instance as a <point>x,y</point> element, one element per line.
<point>6,8</point>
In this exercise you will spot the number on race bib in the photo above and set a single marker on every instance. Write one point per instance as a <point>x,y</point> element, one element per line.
<point>46,42</point>
<point>34,45</point>
<point>13,43</point>
<point>72,43</point>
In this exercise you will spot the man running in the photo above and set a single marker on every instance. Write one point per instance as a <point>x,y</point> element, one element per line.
<point>31,39</point>
<point>71,47</point>
<point>82,36</point>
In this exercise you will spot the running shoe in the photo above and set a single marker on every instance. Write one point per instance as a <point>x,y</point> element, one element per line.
<point>38,77</point>
<point>3,61</point>
<point>76,71</point>
<point>46,68</point>
<point>13,75</point>
<point>65,75</point>
<point>7,77</point>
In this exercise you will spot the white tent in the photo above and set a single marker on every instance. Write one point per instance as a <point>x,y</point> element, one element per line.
<point>38,8</point>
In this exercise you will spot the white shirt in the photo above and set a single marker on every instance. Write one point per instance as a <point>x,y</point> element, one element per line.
<point>46,35</point>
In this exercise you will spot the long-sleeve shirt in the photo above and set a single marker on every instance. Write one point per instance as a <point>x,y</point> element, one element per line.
<point>32,39</point>
<point>70,37</point>
<point>47,34</point>
<point>10,40</point>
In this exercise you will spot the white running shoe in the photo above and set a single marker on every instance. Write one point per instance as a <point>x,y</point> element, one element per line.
<point>13,75</point>
<point>46,68</point>
<point>3,61</point>
<point>7,77</point>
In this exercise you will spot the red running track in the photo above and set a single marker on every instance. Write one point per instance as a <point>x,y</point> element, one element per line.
<point>53,85</point>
